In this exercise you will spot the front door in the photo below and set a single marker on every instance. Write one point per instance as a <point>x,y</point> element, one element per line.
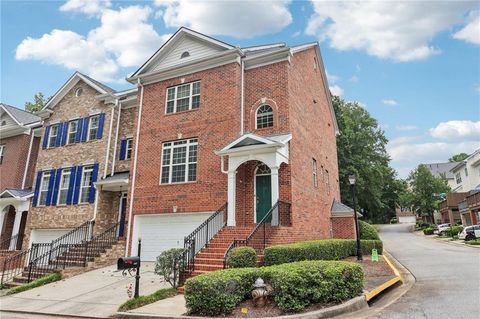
<point>263,185</point>
<point>121,217</point>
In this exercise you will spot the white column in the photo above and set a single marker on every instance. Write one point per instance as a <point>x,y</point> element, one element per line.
<point>16,228</point>
<point>231,198</point>
<point>2,219</point>
<point>275,186</point>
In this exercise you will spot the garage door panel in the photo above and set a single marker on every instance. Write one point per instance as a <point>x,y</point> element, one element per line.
<point>407,219</point>
<point>46,235</point>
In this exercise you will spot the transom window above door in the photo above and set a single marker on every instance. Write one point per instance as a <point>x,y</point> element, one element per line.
<point>183,97</point>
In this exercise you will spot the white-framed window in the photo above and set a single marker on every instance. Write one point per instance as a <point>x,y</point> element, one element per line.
<point>314,172</point>
<point>264,116</point>
<point>183,97</point>
<point>54,130</point>
<point>458,178</point>
<point>72,131</point>
<point>129,148</point>
<point>43,192</point>
<point>85,184</point>
<point>2,153</point>
<point>466,172</point>
<point>179,161</point>
<point>93,127</point>
<point>63,187</point>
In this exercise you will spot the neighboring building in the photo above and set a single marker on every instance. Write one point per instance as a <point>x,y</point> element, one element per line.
<point>443,170</point>
<point>405,215</point>
<point>249,127</point>
<point>18,154</point>
<point>470,209</point>
<point>449,208</point>
<point>467,173</point>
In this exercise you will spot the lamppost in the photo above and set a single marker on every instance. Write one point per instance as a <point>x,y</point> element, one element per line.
<point>352,180</point>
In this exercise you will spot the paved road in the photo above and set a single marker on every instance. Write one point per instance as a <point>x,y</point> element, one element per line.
<point>447,277</point>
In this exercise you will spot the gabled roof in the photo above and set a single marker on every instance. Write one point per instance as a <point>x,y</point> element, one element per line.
<point>21,117</point>
<point>16,193</point>
<point>441,169</point>
<point>253,140</point>
<point>339,209</point>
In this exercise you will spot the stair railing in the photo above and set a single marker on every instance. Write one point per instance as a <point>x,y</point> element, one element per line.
<point>12,243</point>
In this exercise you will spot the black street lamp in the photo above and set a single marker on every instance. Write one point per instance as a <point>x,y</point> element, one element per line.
<point>352,180</point>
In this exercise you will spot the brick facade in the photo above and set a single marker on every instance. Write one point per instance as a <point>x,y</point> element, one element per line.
<point>343,227</point>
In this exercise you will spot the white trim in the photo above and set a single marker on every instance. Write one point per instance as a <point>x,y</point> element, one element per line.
<point>62,177</point>
<point>57,125</point>
<point>122,196</point>
<point>263,47</point>
<point>69,131</point>
<point>85,169</point>
<point>242,97</point>
<point>97,115</point>
<point>39,199</point>
<point>256,115</point>
<point>115,145</point>
<point>2,153</point>
<point>175,97</point>
<point>187,163</point>
<point>303,47</point>
<point>107,152</point>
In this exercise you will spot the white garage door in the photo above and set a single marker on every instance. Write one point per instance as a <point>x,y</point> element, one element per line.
<point>407,219</point>
<point>46,235</point>
<point>162,232</point>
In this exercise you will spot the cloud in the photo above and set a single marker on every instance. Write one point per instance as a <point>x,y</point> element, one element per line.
<point>123,39</point>
<point>332,78</point>
<point>429,152</point>
<point>406,127</point>
<point>336,90</point>
<point>457,130</point>
<point>471,32</point>
<point>354,79</point>
<point>239,19</point>
<point>389,102</point>
<point>400,31</point>
<point>90,7</point>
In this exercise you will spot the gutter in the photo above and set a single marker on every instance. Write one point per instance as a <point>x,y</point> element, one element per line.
<point>114,156</point>
<point>28,158</point>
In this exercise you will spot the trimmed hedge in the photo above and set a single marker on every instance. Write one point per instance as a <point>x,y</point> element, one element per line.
<point>454,230</point>
<point>241,257</point>
<point>295,286</point>
<point>328,249</point>
<point>367,231</point>
<point>428,231</point>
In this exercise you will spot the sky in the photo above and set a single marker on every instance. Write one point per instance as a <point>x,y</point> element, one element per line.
<point>414,65</point>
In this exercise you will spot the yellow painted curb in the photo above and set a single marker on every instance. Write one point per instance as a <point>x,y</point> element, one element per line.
<point>377,290</point>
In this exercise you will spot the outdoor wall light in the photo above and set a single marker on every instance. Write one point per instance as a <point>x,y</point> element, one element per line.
<point>352,179</point>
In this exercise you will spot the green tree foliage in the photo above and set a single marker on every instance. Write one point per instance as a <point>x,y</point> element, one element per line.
<point>361,147</point>
<point>38,104</point>
<point>458,157</point>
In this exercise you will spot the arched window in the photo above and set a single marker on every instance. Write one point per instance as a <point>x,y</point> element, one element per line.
<point>264,116</point>
<point>185,55</point>
<point>262,169</point>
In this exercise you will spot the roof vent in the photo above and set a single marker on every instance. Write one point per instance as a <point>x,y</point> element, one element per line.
<point>185,54</point>
<point>4,123</point>
<point>78,92</point>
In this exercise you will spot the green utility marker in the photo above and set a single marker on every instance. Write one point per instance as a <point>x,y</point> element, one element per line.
<point>374,255</point>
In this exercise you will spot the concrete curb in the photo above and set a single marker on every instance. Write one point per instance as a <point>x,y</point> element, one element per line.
<point>47,314</point>
<point>355,304</point>
<point>418,233</point>
<point>381,288</point>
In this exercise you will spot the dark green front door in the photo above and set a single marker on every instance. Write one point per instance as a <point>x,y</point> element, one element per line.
<point>263,196</point>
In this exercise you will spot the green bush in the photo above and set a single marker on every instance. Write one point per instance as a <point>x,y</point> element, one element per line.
<point>473,242</point>
<point>328,249</point>
<point>148,299</point>
<point>241,257</point>
<point>428,231</point>
<point>367,231</point>
<point>393,220</point>
<point>295,286</point>
<point>168,264</point>
<point>454,230</point>
<point>36,283</point>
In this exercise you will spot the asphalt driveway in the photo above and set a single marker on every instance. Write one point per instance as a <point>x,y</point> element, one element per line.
<point>94,294</point>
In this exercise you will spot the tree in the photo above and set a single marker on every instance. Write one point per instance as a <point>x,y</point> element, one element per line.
<point>425,190</point>
<point>458,157</point>
<point>38,104</point>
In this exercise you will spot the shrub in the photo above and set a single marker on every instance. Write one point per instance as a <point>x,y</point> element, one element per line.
<point>473,242</point>
<point>454,230</point>
<point>367,231</point>
<point>295,286</point>
<point>241,257</point>
<point>148,299</point>
<point>328,249</point>
<point>36,283</point>
<point>393,220</point>
<point>168,264</point>
<point>428,231</point>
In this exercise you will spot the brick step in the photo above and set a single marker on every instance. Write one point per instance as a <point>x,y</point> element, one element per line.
<point>198,272</point>
<point>208,267</point>
<point>210,255</point>
<point>207,261</point>
<point>210,250</point>
<point>80,254</point>
<point>13,284</point>
<point>61,259</point>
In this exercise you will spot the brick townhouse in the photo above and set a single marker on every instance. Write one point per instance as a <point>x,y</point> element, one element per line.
<point>250,128</point>
<point>18,154</point>
<point>82,169</point>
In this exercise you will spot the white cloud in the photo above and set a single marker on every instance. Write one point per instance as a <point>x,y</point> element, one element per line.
<point>471,32</point>
<point>406,127</point>
<point>90,7</point>
<point>240,19</point>
<point>402,140</point>
<point>429,152</point>
<point>336,90</point>
<point>400,31</point>
<point>354,79</point>
<point>332,78</point>
<point>389,102</point>
<point>123,39</point>
<point>457,130</point>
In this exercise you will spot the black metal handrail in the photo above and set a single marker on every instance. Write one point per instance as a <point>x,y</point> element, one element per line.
<point>6,243</point>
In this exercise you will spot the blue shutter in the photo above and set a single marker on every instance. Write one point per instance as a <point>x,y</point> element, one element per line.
<point>65,133</point>
<point>37,189</point>
<point>71,185</point>
<point>91,197</point>
<point>53,202</point>
<point>50,187</point>
<point>101,120</point>
<point>123,149</point>
<point>45,137</point>
<point>78,137</point>
<point>85,129</point>
<point>58,141</point>
<point>78,179</point>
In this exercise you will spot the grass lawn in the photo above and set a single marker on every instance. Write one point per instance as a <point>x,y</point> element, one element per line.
<point>145,300</point>
<point>473,242</point>
<point>36,283</point>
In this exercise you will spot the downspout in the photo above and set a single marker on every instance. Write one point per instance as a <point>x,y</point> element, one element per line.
<point>28,159</point>
<point>242,99</point>
<point>107,155</point>
<point>116,138</point>
<point>134,172</point>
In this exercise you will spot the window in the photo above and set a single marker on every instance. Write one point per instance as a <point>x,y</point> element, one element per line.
<point>458,178</point>
<point>183,97</point>
<point>264,116</point>
<point>93,127</point>
<point>466,172</point>
<point>85,184</point>
<point>54,130</point>
<point>72,131</point>
<point>42,194</point>
<point>2,153</point>
<point>63,187</point>
<point>78,92</point>
<point>314,171</point>
<point>128,149</point>
<point>179,161</point>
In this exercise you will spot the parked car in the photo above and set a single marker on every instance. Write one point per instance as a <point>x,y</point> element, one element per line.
<point>470,233</point>
<point>442,229</point>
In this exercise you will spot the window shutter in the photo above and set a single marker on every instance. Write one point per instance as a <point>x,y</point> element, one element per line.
<point>78,179</point>
<point>101,120</point>
<point>91,197</point>
<point>71,185</point>
<point>64,133</point>
<point>123,149</point>
<point>37,189</point>
<point>50,188</point>
<point>85,129</point>
<point>53,202</point>
<point>45,137</point>
<point>78,137</point>
<point>58,140</point>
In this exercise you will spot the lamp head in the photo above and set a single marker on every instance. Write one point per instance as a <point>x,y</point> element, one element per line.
<point>352,179</point>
